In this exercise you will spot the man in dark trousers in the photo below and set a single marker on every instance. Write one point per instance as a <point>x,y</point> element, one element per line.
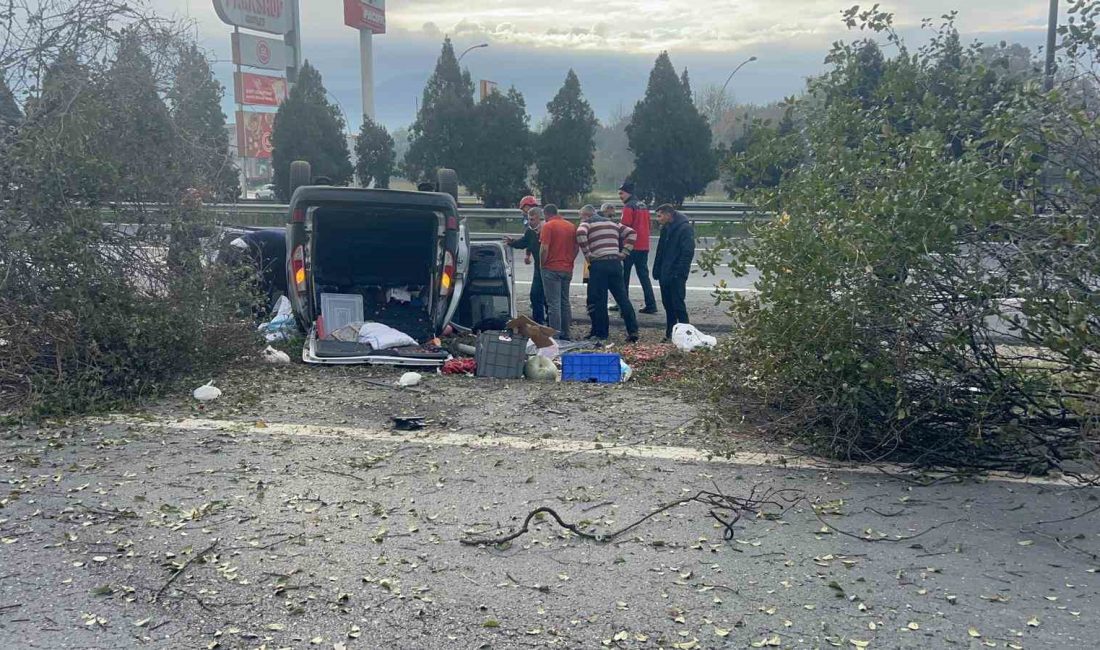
<point>636,217</point>
<point>530,243</point>
<point>605,245</point>
<point>672,266</point>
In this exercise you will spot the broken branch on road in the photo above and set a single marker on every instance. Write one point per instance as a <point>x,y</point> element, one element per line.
<point>771,502</point>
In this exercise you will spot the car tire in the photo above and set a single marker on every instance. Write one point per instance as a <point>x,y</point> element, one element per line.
<point>301,173</point>
<point>447,180</point>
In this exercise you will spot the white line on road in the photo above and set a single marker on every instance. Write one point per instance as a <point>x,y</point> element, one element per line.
<point>549,445</point>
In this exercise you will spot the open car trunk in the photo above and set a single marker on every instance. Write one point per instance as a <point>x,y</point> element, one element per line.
<point>391,260</point>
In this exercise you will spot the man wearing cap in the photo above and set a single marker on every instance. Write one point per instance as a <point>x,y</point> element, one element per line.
<point>530,243</point>
<point>672,266</point>
<point>605,245</point>
<point>636,217</point>
<point>526,203</point>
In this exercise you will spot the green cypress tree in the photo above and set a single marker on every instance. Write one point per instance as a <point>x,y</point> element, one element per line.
<point>10,115</point>
<point>567,147</point>
<point>670,139</point>
<point>308,127</point>
<point>196,98</point>
<point>375,155</point>
<point>138,140</point>
<point>60,139</point>
<point>441,134</point>
<point>501,150</point>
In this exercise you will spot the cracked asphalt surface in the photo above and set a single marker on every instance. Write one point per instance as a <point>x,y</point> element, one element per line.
<point>238,526</point>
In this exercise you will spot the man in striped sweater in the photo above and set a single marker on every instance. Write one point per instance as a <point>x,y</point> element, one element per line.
<point>605,244</point>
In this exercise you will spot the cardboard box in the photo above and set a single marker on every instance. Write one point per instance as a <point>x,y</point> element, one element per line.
<point>540,334</point>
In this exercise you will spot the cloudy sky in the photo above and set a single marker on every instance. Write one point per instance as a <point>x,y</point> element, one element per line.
<point>610,43</point>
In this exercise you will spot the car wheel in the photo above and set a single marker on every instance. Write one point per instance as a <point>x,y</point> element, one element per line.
<point>301,173</point>
<point>448,182</point>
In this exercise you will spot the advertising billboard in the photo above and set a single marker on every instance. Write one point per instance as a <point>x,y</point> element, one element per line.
<point>366,14</point>
<point>271,16</point>
<point>259,90</point>
<point>259,52</point>
<point>254,134</point>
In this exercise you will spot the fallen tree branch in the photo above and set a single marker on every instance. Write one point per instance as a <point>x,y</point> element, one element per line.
<point>334,472</point>
<point>1074,517</point>
<point>864,538</point>
<point>776,500</point>
<point>183,568</point>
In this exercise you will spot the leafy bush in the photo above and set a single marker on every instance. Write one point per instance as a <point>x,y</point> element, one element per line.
<point>928,290</point>
<point>99,304</point>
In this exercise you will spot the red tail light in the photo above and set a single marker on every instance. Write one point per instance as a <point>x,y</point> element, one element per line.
<point>448,281</point>
<point>298,269</point>
<point>452,223</point>
<point>298,216</point>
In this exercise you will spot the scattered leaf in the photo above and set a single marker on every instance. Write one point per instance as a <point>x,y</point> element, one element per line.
<point>1033,622</point>
<point>913,625</point>
<point>974,633</point>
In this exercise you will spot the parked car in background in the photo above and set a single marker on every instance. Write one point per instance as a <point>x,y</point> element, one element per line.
<point>266,193</point>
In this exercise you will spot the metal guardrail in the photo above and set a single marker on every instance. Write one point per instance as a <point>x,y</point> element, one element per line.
<point>268,212</point>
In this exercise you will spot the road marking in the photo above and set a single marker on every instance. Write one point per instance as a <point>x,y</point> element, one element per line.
<point>657,289</point>
<point>549,445</point>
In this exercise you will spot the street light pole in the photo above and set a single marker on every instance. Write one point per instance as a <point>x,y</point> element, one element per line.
<point>1052,43</point>
<point>469,49</point>
<point>743,64</point>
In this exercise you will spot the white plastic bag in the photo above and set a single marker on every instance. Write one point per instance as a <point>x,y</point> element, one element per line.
<point>686,338</point>
<point>409,379</point>
<point>207,393</point>
<point>551,351</point>
<point>271,355</point>
<point>627,371</point>
<point>282,307</point>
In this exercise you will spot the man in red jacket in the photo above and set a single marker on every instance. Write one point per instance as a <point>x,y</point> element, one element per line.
<point>636,217</point>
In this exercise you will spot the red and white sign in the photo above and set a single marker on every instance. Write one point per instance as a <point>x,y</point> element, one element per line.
<point>259,52</point>
<point>259,89</point>
<point>271,16</point>
<point>488,88</point>
<point>254,134</point>
<point>366,14</point>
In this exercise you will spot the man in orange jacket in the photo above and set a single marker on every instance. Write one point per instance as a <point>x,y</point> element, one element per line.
<point>636,216</point>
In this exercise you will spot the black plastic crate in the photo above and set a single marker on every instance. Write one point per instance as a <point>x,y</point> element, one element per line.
<point>501,355</point>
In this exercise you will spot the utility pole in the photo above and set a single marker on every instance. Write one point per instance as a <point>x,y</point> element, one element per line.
<point>366,70</point>
<point>1052,43</point>
<point>738,69</point>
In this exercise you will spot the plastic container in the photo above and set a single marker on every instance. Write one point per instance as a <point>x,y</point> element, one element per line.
<point>340,310</point>
<point>501,355</point>
<point>592,368</point>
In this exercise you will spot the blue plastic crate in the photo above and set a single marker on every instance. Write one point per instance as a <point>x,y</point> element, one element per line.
<point>592,368</point>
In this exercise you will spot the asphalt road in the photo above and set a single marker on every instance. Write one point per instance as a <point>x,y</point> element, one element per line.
<point>290,515</point>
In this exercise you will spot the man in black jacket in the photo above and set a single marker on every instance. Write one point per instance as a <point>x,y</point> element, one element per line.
<point>671,268</point>
<point>530,243</point>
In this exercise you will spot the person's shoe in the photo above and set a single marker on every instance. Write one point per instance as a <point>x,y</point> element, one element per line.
<point>632,338</point>
<point>649,311</point>
<point>613,308</point>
